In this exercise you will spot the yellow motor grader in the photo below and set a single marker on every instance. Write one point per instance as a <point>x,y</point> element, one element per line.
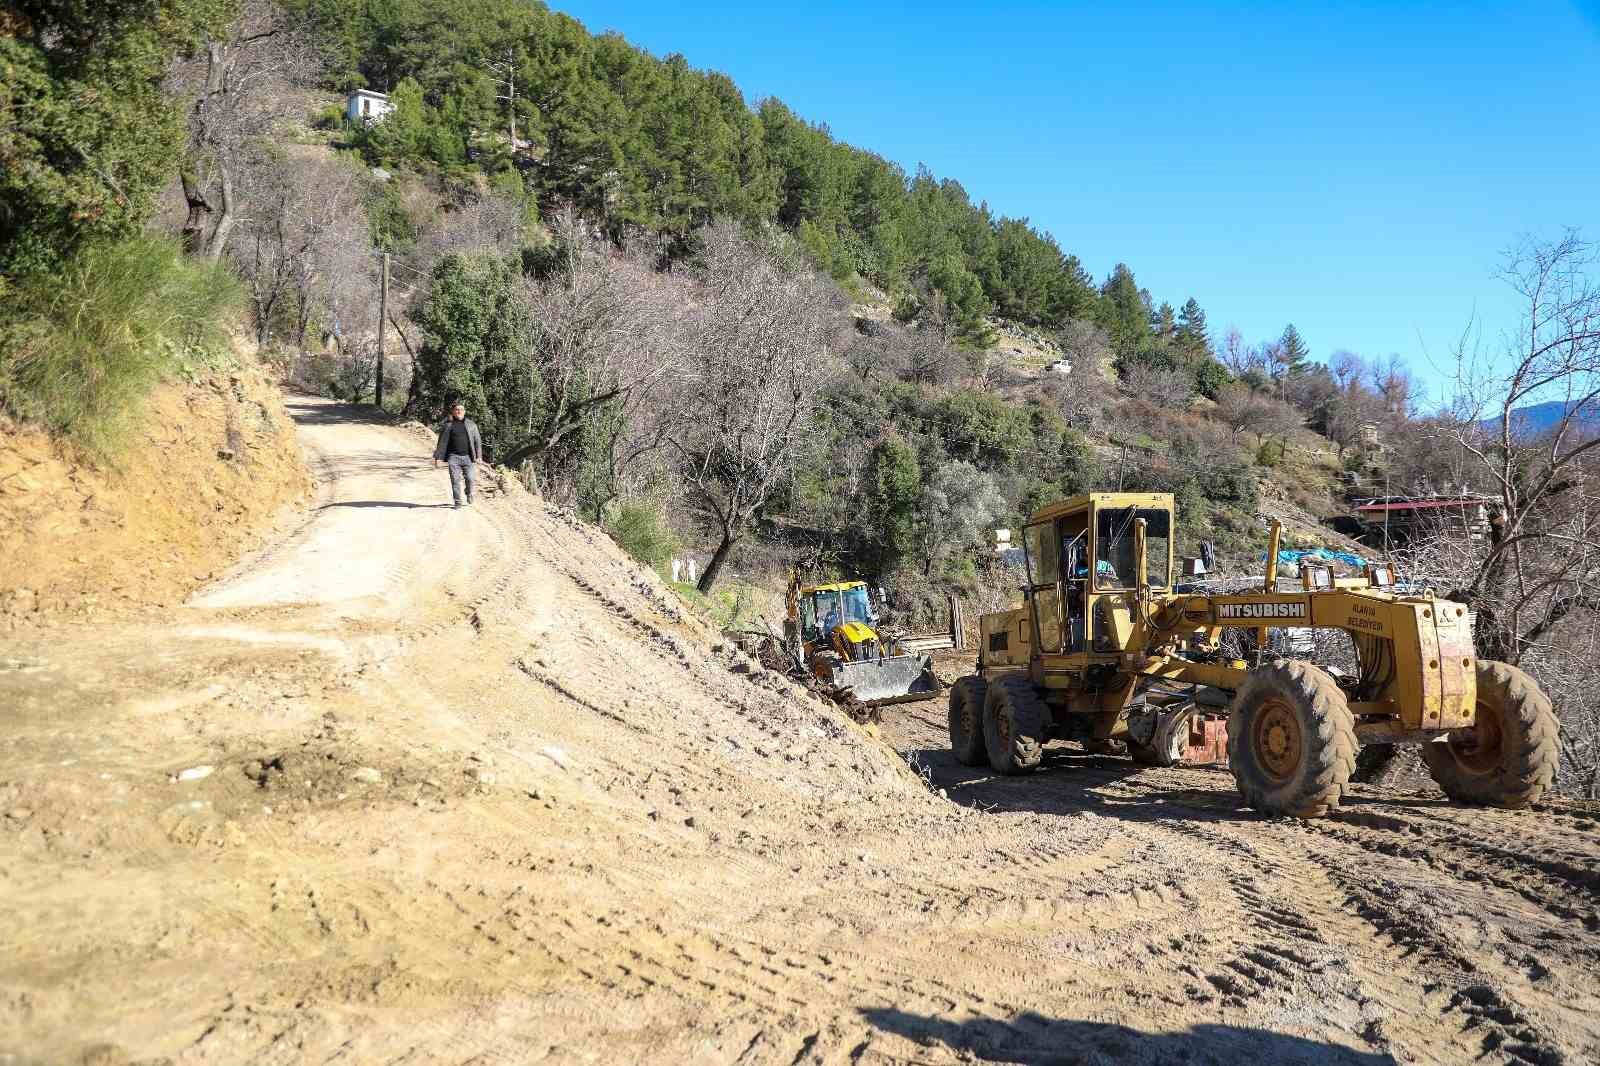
<point>832,633</point>
<point>1106,649</point>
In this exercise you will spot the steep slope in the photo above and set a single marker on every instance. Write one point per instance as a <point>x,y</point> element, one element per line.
<point>208,468</point>
<point>416,784</point>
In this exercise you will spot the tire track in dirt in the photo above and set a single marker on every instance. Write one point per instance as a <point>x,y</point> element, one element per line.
<point>1434,934</point>
<point>1526,1010</point>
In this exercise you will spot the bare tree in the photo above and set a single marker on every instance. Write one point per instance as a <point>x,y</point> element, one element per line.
<point>242,85</point>
<point>1162,387</point>
<point>1235,408</point>
<point>302,240</point>
<point>1392,380</point>
<point>1352,415</point>
<point>599,337</point>
<point>1083,394</point>
<point>471,221</point>
<point>1241,409</point>
<point>761,351</point>
<point>1543,483</point>
<point>1346,367</point>
<point>1534,581</point>
<point>1238,356</point>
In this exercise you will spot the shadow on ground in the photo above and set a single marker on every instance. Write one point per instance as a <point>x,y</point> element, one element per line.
<point>1036,1039</point>
<point>1069,781</point>
<point>380,503</point>
<point>321,413</point>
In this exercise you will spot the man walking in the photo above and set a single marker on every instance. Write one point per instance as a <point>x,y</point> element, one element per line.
<point>459,447</point>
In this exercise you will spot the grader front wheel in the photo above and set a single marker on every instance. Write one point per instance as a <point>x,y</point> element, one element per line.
<point>1508,758</point>
<point>1291,741</point>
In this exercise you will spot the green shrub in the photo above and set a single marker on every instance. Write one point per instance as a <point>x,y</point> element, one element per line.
<point>641,531</point>
<point>331,117</point>
<point>81,349</point>
<point>1229,484</point>
<point>1210,377</point>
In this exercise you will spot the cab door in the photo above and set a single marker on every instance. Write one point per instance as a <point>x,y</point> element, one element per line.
<point>1042,549</point>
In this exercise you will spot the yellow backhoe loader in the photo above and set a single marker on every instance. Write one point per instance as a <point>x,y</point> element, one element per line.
<point>832,633</point>
<point>1105,648</point>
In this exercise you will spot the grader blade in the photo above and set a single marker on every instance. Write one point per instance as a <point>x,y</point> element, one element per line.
<point>896,679</point>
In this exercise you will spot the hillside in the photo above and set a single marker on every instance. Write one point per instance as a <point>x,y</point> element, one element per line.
<point>379,794</point>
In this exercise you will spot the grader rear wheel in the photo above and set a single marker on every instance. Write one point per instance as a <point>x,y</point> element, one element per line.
<point>1013,726</point>
<point>1508,758</point>
<point>967,698</point>
<point>1291,741</point>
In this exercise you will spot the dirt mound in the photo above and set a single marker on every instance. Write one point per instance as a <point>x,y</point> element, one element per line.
<point>212,465</point>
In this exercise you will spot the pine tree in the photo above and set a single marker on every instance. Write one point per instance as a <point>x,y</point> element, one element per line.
<point>1295,353</point>
<point>1192,324</point>
<point>1166,321</point>
<point>1123,310</point>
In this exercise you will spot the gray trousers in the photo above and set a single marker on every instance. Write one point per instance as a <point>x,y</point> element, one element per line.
<point>461,469</point>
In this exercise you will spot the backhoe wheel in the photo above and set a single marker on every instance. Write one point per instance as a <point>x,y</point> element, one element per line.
<point>1291,740</point>
<point>1013,726</point>
<point>966,720</point>
<point>1508,758</point>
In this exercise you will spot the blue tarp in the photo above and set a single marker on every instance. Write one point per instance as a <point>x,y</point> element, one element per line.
<point>1294,556</point>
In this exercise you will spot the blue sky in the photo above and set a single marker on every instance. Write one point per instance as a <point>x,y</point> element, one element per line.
<point>1355,168</point>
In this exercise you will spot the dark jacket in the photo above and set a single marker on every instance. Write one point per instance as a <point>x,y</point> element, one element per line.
<point>473,439</point>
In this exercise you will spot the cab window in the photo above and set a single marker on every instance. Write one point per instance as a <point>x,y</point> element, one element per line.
<point>1039,541</point>
<point>1114,549</point>
<point>829,609</point>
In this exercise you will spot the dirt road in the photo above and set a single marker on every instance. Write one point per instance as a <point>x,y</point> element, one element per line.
<point>420,785</point>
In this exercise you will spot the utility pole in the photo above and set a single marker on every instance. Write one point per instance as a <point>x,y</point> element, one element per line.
<point>383,321</point>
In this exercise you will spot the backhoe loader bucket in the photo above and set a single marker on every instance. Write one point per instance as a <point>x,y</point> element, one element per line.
<point>896,679</point>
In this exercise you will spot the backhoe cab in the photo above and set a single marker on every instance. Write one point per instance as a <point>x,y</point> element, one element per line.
<point>1104,649</point>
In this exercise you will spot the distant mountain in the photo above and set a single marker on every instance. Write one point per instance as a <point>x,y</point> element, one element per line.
<point>1541,418</point>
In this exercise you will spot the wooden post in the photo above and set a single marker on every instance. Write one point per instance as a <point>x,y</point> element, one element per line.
<point>383,321</point>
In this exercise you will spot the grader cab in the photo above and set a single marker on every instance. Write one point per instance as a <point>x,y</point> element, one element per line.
<point>1105,649</point>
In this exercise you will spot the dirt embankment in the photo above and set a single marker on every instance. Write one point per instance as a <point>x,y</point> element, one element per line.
<point>209,468</point>
<point>415,784</point>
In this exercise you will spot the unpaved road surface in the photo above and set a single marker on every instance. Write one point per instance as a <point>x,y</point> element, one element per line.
<point>421,785</point>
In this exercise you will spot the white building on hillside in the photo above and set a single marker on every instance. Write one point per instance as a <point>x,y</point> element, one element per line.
<point>364,105</point>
